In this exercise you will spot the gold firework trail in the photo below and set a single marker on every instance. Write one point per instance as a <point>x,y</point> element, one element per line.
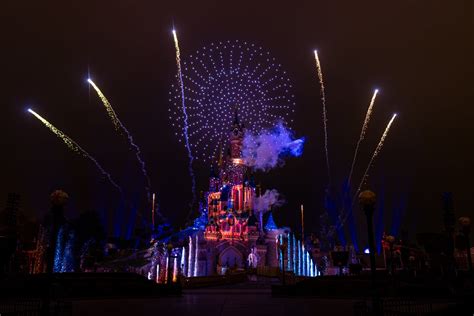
<point>108,106</point>
<point>362,134</point>
<point>121,128</point>
<point>376,152</point>
<point>185,123</point>
<point>325,119</point>
<point>72,145</point>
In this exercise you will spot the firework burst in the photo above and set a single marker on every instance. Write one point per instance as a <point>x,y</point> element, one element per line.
<point>218,80</point>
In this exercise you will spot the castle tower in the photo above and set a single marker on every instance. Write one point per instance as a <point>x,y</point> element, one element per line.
<point>213,179</point>
<point>236,138</point>
<point>230,196</point>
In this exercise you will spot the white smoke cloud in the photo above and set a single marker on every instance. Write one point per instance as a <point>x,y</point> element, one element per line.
<point>264,203</point>
<point>267,149</point>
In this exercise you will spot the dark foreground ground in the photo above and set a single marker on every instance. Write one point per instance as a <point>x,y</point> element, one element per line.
<point>249,298</point>
<point>128,294</point>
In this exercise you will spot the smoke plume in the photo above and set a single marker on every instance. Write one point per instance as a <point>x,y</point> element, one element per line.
<point>265,202</point>
<point>268,149</point>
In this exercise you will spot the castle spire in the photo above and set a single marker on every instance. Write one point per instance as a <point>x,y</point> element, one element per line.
<point>236,116</point>
<point>221,153</point>
<point>270,225</point>
<point>236,137</point>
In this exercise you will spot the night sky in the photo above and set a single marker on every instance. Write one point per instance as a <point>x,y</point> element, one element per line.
<point>418,53</point>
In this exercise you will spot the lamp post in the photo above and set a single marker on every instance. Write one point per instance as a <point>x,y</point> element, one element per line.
<point>367,200</point>
<point>367,203</point>
<point>465,223</point>
<point>391,241</point>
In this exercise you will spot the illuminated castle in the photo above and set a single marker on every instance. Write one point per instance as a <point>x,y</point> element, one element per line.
<point>232,232</point>
<point>228,235</point>
<point>231,194</point>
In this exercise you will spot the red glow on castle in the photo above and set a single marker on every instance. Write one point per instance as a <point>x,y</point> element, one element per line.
<point>231,194</point>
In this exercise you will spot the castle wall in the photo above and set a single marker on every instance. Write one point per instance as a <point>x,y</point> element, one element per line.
<point>272,251</point>
<point>262,255</point>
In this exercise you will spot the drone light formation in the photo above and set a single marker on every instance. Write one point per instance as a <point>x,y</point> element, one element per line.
<point>221,79</point>
<point>376,153</point>
<point>325,119</point>
<point>362,133</point>
<point>72,145</point>
<point>120,127</point>
<point>185,121</point>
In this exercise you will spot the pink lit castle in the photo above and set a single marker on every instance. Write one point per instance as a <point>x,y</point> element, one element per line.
<point>233,233</point>
<point>228,237</point>
<point>230,196</point>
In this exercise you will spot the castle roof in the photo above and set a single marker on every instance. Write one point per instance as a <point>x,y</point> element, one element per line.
<point>270,225</point>
<point>236,118</point>
<point>236,123</point>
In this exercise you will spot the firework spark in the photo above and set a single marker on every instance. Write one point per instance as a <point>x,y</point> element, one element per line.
<point>325,119</point>
<point>185,123</point>
<point>72,145</point>
<point>362,133</point>
<point>376,152</point>
<point>120,127</point>
<point>108,106</point>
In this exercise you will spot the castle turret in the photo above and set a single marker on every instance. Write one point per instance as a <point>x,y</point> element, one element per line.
<point>230,197</point>
<point>236,138</point>
<point>213,180</point>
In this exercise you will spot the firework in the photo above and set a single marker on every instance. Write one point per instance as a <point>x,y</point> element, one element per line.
<point>185,119</point>
<point>72,145</point>
<point>325,119</point>
<point>220,79</point>
<point>362,133</point>
<point>376,152</point>
<point>110,111</point>
<point>345,215</point>
<point>120,127</point>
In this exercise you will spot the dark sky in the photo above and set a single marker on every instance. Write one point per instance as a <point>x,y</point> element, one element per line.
<point>419,53</point>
